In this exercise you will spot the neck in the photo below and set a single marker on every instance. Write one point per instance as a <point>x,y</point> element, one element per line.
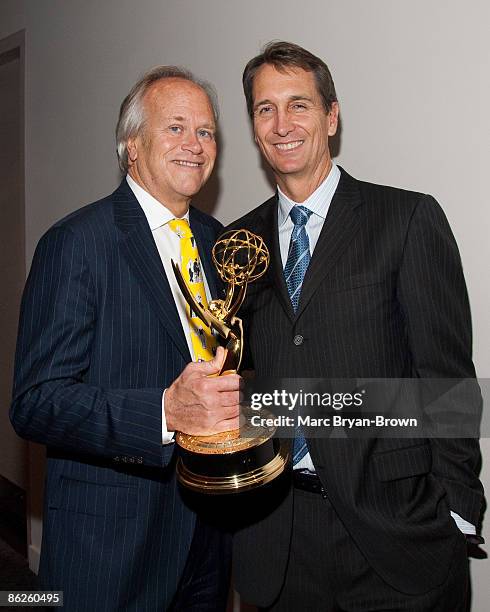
<point>299,188</point>
<point>177,209</point>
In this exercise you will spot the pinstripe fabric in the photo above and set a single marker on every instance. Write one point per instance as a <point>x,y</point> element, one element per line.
<point>99,340</point>
<point>383,297</point>
<point>344,580</point>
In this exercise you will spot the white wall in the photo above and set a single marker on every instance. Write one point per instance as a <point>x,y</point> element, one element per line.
<point>412,78</point>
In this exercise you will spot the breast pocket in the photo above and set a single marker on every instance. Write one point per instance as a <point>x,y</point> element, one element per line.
<point>357,281</point>
<point>403,463</point>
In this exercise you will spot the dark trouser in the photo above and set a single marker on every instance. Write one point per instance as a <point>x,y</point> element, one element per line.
<point>328,573</point>
<point>205,582</point>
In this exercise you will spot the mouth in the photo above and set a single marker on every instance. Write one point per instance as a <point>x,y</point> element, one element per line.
<point>288,146</point>
<point>187,164</point>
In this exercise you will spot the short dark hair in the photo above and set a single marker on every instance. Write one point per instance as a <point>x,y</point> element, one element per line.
<point>283,55</point>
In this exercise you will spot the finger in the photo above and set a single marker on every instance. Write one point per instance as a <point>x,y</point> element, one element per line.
<point>232,382</point>
<point>213,366</point>
<point>220,412</point>
<point>227,425</point>
<point>220,356</point>
<point>229,398</point>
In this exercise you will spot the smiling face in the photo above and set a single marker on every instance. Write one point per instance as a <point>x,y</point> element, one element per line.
<point>174,153</point>
<point>292,128</point>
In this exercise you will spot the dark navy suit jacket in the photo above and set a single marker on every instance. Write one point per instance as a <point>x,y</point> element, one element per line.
<point>99,340</point>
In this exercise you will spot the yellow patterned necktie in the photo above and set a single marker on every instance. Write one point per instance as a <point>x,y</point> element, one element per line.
<point>203,342</point>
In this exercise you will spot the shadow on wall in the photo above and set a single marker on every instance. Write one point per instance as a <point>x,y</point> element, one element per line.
<point>207,199</point>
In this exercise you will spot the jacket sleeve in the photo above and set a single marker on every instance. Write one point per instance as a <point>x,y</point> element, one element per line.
<point>52,402</point>
<point>433,296</point>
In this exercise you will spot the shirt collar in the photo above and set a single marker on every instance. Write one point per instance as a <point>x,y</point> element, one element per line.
<point>156,214</point>
<point>318,202</point>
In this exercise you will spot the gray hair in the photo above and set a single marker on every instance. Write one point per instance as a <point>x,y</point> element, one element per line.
<point>132,112</point>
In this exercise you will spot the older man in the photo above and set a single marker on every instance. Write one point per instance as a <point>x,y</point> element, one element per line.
<point>103,377</point>
<point>365,282</point>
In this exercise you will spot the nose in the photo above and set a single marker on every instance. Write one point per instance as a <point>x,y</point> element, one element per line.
<point>192,143</point>
<point>282,125</point>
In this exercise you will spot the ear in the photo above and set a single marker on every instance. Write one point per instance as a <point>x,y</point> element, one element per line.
<point>333,117</point>
<point>132,149</point>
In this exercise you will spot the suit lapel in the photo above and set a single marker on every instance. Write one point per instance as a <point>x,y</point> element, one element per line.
<point>340,227</point>
<point>141,254</point>
<point>269,231</point>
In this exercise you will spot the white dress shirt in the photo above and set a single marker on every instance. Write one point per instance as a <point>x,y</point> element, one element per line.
<point>319,203</point>
<point>168,245</point>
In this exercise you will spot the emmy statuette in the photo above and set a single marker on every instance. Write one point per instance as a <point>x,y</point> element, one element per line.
<point>242,459</point>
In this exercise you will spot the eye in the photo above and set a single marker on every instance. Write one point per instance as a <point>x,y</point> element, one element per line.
<point>265,110</point>
<point>175,129</point>
<point>207,134</point>
<point>298,106</point>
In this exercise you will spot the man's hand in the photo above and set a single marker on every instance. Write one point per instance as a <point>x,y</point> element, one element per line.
<point>199,404</point>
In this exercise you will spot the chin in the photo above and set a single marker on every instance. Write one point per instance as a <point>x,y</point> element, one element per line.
<point>287,165</point>
<point>190,189</point>
<point>288,168</point>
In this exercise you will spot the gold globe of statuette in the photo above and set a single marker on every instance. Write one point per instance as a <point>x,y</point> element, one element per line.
<point>240,257</point>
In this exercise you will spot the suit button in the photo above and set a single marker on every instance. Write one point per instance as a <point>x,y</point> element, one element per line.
<point>298,339</point>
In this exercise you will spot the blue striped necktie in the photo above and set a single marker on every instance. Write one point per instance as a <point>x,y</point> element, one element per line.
<point>294,273</point>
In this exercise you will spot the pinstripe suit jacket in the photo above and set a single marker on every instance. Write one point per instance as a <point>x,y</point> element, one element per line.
<point>99,340</point>
<point>384,297</point>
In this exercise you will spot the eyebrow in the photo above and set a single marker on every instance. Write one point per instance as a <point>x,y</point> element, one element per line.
<point>293,98</point>
<point>180,119</point>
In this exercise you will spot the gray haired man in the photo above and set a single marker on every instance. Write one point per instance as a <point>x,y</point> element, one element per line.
<point>107,370</point>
